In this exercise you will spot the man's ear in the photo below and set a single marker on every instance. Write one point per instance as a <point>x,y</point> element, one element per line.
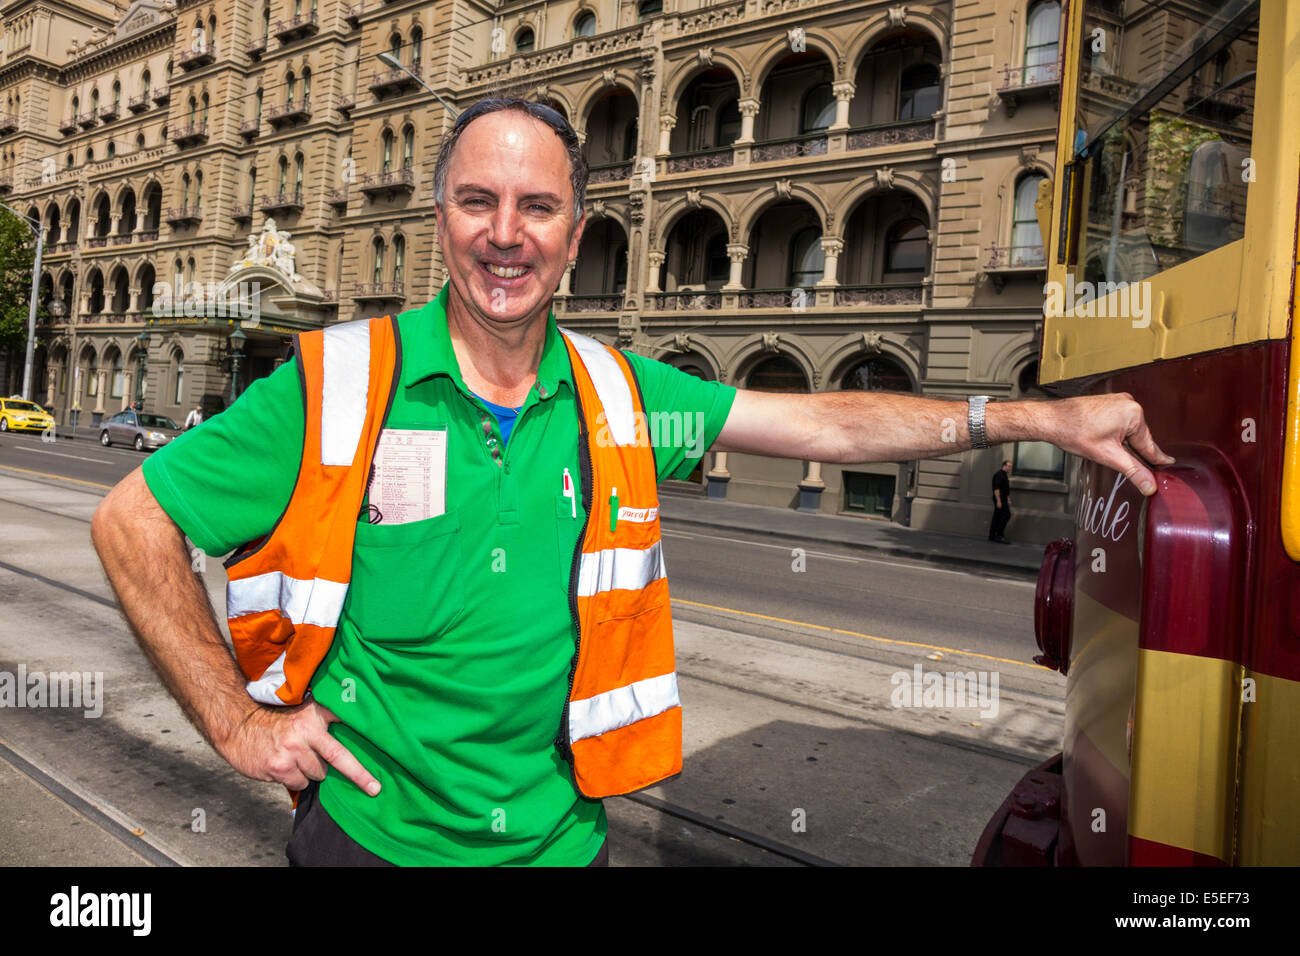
<point>576,241</point>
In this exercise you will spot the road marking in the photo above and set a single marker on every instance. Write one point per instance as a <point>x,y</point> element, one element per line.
<point>46,451</point>
<point>46,474</point>
<point>867,637</point>
<point>837,557</point>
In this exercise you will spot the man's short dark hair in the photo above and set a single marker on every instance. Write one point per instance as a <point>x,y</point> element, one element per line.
<point>1006,462</point>
<point>540,111</point>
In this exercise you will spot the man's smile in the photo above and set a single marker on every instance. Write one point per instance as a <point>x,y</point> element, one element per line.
<point>504,273</point>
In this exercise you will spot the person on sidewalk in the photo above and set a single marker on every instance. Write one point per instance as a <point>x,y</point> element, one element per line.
<point>1001,503</point>
<point>195,417</point>
<point>462,642</point>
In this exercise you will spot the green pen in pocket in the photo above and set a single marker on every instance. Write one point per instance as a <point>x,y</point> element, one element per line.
<point>613,510</point>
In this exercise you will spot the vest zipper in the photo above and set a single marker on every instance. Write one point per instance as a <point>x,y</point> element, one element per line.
<point>584,469</point>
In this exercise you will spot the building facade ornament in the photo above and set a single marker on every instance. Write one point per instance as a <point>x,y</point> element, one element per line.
<point>272,249</point>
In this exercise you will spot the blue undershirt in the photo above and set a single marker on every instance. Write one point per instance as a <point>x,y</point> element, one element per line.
<point>504,414</point>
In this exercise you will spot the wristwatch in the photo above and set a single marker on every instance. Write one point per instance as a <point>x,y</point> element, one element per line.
<point>975,421</point>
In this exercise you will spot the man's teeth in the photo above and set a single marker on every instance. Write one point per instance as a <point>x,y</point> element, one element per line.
<point>505,273</point>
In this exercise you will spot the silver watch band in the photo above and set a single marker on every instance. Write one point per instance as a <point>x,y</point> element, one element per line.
<point>975,421</point>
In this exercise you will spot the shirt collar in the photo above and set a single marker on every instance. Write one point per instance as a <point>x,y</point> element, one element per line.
<point>427,349</point>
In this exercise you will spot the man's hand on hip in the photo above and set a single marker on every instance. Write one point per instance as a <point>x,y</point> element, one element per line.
<point>291,745</point>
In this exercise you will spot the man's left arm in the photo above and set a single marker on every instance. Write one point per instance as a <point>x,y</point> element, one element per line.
<point>852,427</point>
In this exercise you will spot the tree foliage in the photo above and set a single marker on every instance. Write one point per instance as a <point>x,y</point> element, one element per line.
<point>17,253</point>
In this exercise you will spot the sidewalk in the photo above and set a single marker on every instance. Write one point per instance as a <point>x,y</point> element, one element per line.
<point>882,537</point>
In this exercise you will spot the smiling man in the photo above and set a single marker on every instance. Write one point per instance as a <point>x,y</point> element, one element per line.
<point>447,597</point>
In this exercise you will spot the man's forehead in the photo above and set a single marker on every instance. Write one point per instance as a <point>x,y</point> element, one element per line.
<point>512,131</point>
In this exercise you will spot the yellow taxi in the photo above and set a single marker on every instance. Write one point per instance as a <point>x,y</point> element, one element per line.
<point>21,415</point>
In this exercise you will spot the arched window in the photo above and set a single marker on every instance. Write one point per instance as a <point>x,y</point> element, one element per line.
<point>290,87</point>
<point>387,139</point>
<point>144,83</point>
<point>76,105</point>
<point>118,377</point>
<point>90,155</point>
<point>399,259</point>
<point>417,41</point>
<point>298,163</point>
<point>585,25</point>
<point>266,22</point>
<point>777,374</point>
<point>408,147</point>
<point>112,150</point>
<point>198,190</point>
<point>257,99</point>
<point>139,140</point>
<point>284,175</point>
<point>117,94</point>
<point>877,374</point>
<point>807,261</point>
<point>918,94</point>
<point>524,40</point>
<point>252,182</point>
<point>206,103</point>
<point>1026,239</point>
<point>194,108</point>
<point>719,263</point>
<point>306,85</point>
<point>818,108</point>
<point>729,123</point>
<point>378,274</point>
<point>395,47</point>
<point>907,248</point>
<point>648,8</point>
<point>1042,35</point>
<point>94,100</point>
<point>185,190</point>
<point>178,394</point>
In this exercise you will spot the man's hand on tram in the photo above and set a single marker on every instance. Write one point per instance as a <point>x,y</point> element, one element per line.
<point>1108,429</point>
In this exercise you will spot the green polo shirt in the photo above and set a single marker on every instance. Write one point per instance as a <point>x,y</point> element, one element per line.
<point>449,669</point>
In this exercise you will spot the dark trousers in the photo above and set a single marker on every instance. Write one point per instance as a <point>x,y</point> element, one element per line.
<point>317,840</point>
<point>1000,518</point>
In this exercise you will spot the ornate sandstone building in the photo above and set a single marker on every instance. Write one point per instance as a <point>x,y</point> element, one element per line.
<point>792,195</point>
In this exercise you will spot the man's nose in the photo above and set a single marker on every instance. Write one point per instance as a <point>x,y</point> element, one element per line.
<point>505,225</point>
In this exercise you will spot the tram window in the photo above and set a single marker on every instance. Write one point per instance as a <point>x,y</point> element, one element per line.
<point>1168,169</point>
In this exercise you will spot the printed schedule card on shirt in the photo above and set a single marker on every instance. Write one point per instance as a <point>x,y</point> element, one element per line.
<point>410,482</point>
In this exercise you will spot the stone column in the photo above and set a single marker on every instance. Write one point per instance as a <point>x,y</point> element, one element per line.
<point>115,220</point>
<point>737,251</point>
<point>566,278</point>
<point>101,378</point>
<point>51,379</point>
<point>748,110</point>
<point>811,488</point>
<point>656,259</point>
<point>832,247</point>
<point>666,123</point>
<point>843,98</point>
<point>718,476</point>
<point>133,303</point>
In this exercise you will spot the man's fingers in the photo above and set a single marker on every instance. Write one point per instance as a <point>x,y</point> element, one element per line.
<point>1142,442</point>
<point>1133,470</point>
<point>341,759</point>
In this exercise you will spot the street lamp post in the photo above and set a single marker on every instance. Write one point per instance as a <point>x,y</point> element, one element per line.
<point>35,226</point>
<point>237,339</point>
<point>389,60</point>
<point>143,338</point>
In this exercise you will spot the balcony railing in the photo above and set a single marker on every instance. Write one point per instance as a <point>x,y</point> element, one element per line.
<point>394,81</point>
<point>1025,84</point>
<point>687,301</point>
<point>242,211</point>
<point>250,129</point>
<point>304,24</point>
<point>390,183</point>
<point>809,144</point>
<point>68,125</point>
<point>192,59</point>
<point>190,134</point>
<point>86,120</point>
<point>378,291</point>
<point>1016,257</point>
<point>162,94</point>
<point>290,112</point>
<point>592,303</point>
<point>347,103</point>
<point>889,293</point>
<point>97,242</point>
<point>255,48</point>
<point>1214,103</point>
<point>281,201</point>
<point>120,239</point>
<point>138,103</point>
<point>184,216</point>
<point>891,134</point>
<point>700,159</point>
<point>8,123</point>
<point>610,173</point>
<point>339,197</point>
<point>147,235</point>
<point>109,112</point>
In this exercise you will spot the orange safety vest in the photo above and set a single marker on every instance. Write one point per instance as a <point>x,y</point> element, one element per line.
<point>622,723</point>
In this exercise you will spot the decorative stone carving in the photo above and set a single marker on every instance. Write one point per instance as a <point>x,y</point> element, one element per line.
<point>898,16</point>
<point>682,341</point>
<point>706,56</point>
<point>636,207</point>
<point>871,342</point>
<point>270,248</point>
<point>784,187</point>
<point>1028,154</point>
<point>885,177</point>
<point>608,75</point>
<point>598,209</point>
<point>694,198</point>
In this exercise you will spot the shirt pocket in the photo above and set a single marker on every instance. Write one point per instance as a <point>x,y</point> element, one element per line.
<point>567,526</point>
<point>407,580</point>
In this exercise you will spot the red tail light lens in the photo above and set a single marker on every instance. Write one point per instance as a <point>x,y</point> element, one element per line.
<point>1054,605</point>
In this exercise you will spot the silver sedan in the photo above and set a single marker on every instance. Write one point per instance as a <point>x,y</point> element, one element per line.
<point>138,429</point>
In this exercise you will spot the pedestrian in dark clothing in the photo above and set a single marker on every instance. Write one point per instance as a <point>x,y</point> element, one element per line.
<point>1001,503</point>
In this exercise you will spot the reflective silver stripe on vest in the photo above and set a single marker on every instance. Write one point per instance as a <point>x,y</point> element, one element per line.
<point>263,689</point>
<point>622,706</point>
<point>611,387</point>
<point>317,602</point>
<point>345,388</point>
<point>620,569</point>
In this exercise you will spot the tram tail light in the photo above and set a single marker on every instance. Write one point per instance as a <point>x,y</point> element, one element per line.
<point>1054,605</point>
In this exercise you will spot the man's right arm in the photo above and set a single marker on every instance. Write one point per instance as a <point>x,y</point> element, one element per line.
<point>169,612</point>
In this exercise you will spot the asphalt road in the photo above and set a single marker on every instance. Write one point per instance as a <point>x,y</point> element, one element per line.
<point>787,667</point>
